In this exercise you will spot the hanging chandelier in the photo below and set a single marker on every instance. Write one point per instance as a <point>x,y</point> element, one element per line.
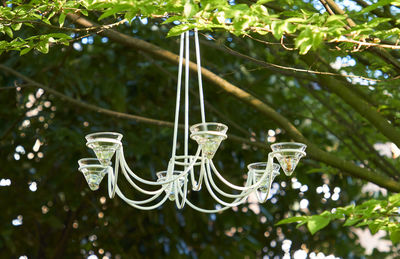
<point>187,171</point>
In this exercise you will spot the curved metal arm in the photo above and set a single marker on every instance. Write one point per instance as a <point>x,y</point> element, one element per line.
<point>233,186</point>
<point>133,204</point>
<point>269,172</point>
<point>185,172</point>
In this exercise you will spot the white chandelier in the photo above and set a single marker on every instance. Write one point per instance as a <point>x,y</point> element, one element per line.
<point>187,170</point>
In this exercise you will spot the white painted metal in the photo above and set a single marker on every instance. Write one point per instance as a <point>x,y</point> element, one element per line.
<point>174,183</point>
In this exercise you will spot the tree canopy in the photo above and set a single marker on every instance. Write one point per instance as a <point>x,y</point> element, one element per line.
<point>325,73</point>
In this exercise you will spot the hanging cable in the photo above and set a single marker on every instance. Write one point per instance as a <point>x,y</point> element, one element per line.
<point>178,98</point>
<point>201,95</point>
<point>187,58</point>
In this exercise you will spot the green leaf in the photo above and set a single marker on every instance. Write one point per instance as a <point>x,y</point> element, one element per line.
<point>317,39</point>
<point>301,224</point>
<point>363,223</point>
<point>394,199</point>
<point>61,19</point>
<point>177,30</point>
<point>260,2</point>
<point>351,221</point>
<point>291,220</point>
<point>129,16</point>
<point>114,10</point>
<point>316,223</point>
<point>16,26</point>
<point>345,210</point>
<point>295,20</point>
<point>24,51</point>
<point>277,29</point>
<point>172,19</point>
<point>304,41</point>
<point>370,203</point>
<point>59,35</point>
<point>304,48</point>
<point>376,21</point>
<point>374,227</point>
<point>395,236</point>
<point>84,12</point>
<point>8,31</point>
<point>335,19</point>
<point>374,6</point>
<point>190,9</point>
<point>43,47</point>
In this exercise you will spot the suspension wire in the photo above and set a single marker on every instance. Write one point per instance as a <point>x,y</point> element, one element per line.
<point>178,97</point>
<point>187,95</point>
<point>201,95</point>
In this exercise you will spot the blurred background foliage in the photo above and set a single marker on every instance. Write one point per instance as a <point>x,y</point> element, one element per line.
<point>49,211</point>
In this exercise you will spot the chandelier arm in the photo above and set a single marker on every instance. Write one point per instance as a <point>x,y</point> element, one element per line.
<point>181,204</point>
<point>148,199</point>
<point>232,204</point>
<point>236,187</point>
<point>190,158</point>
<point>124,172</point>
<point>111,188</point>
<point>113,177</point>
<point>178,97</point>
<point>198,61</point>
<point>206,210</point>
<point>211,211</point>
<point>197,186</point>
<point>270,172</point>
<point>228,195</point>
<point>129,171</point>
<point>131,202</point>
<point>112,183</point>
<point>113,174</point>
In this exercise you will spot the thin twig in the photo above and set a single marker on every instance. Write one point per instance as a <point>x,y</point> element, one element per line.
<point>283,44</point>
<point>265,42</point>
<point>368,44</point>
<point>268,65</point>
<point>9,87</point>
<point>303,70</point>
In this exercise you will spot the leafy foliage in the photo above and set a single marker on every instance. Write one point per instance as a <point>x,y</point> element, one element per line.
<point>305,27</point>
<point>376,214</point>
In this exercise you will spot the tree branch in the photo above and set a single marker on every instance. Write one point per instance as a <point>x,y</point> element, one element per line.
<point>376,50</point>
<point>377,12</point>
<point>338,10</point>
<point>359,105</point>
<point>288,71</point>
<point>357,140</point>
<point>350,96</point>
<point>120,115</point>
